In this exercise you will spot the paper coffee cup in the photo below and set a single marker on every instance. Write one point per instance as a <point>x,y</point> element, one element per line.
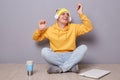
<point>29,65</point>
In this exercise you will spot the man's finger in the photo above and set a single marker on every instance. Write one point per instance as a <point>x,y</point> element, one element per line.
<point>78,7</point>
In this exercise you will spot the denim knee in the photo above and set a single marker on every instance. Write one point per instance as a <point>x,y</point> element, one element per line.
<point>81,49</point>
<point>84,46</point>
<point>45,52</point>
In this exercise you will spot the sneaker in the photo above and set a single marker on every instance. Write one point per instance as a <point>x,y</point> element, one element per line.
<point>74,69</point>
<point>54,69</point>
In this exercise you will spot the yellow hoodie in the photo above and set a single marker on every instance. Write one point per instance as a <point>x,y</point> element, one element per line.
<point>64,40</point>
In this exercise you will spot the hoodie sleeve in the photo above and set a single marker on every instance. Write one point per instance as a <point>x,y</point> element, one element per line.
<point>84,27</point>
<point>39,35</point>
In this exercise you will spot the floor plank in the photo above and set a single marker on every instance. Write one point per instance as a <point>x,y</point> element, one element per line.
<point>18,72</point>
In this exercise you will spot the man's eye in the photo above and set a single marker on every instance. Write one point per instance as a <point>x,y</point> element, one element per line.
<point>63,13</point>
<point>67,14</point>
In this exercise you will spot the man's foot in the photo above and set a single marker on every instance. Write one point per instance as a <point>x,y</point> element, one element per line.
<point>74,69</point>
<point>54,69</point>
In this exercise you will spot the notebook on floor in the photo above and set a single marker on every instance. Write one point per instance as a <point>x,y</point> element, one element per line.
<point>95,73</point>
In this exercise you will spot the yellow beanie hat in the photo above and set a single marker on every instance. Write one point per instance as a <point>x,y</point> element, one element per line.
<point>60,11</point>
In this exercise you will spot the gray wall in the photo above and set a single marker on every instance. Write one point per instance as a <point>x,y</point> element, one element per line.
<point>19,19</point>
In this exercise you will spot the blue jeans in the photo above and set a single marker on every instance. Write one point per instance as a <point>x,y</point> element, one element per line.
<point>65,60</point>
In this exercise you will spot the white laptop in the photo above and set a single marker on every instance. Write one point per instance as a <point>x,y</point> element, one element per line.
<point>95,73</point>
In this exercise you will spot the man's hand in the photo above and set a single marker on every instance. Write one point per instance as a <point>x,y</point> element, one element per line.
<point>42,25</point>
<point>79,8</point>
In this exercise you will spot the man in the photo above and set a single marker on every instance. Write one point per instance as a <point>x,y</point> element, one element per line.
<point>63,54</point>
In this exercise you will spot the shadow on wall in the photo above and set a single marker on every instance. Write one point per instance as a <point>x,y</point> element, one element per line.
<point>42,44</point>
<point>89,39</point>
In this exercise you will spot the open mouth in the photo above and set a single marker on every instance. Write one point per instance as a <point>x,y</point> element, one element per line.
<point>66,19</point>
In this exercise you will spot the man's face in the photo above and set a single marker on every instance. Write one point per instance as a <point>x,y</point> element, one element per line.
<point>64,18</point>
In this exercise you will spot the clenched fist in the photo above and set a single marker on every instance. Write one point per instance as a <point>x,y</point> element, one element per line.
<point>79,8</point>
<point>42,25</point>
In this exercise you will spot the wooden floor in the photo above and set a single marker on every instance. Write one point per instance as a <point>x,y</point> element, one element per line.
<point>18,72</point>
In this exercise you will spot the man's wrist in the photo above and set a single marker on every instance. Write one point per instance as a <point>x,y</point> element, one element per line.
<point>80,13</point>
<point>41,30</point>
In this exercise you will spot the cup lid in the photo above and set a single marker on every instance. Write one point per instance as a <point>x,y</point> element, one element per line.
<point>29,62</point>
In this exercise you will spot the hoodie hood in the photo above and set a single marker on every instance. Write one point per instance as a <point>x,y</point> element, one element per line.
<point>61,32</point>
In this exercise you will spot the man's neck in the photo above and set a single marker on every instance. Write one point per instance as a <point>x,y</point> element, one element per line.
<point>61,25</point>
